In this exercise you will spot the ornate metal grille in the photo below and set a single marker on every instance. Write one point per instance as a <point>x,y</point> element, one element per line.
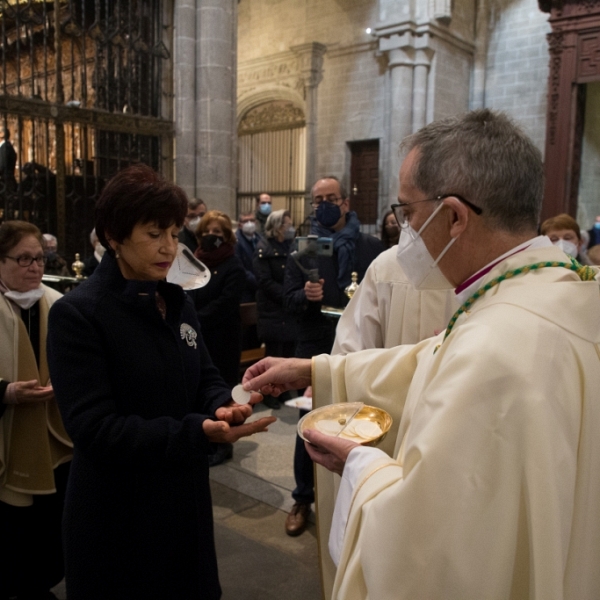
<point>81,90</point>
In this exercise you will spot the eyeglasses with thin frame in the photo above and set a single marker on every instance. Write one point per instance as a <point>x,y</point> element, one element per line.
<point>401,217</point>
<point>27,261</point>
<point>329,198</point>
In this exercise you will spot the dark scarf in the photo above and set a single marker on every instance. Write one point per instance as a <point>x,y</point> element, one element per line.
<point>214,258</point>
<point>344,245</point>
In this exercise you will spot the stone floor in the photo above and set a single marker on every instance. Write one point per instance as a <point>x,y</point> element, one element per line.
<point>251,497</point>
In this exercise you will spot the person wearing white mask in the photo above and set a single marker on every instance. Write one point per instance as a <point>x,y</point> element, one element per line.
<point>277,328</point>
<point>247,241</point>
<point>564,232</point>
<point>489,487</point>
<point>196,210</point>
<point>35,450</point>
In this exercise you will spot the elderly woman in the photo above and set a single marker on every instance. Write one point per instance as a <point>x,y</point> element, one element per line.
<point>564,232</point>
<point>218,304</point>
<point>34,447</point>
<point>141,400</point>
<point>276,328</point>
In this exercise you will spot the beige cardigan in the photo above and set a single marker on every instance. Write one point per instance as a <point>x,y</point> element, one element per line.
<point>33,441</point>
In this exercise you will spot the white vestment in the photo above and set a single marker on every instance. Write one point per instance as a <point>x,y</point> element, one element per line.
<point>495,488</point>
<point>385,311</point>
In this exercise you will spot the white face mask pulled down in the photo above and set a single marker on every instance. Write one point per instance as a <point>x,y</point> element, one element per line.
<point>25,300</point>
<point>416,261</point>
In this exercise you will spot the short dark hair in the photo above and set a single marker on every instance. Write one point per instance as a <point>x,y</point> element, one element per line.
<point>485,157</point>
<point>343,191</point>
<point>12,232</point>
<point>137,195</point>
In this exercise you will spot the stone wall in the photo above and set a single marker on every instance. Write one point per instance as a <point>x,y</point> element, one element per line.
<point>517,64</point>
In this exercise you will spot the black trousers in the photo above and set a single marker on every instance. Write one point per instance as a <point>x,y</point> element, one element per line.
<point>31,553</point>
<point>303,464</point>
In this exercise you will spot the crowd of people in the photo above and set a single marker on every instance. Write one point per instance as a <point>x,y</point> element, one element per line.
<point>122,387</point>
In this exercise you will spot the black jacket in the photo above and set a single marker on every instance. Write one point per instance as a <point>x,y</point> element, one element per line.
<point>133,390</point>
<point>218,309</point>
<point>314,327</point>
<point>187,238</point>
<point>274,322</point>
<point>244,250</point>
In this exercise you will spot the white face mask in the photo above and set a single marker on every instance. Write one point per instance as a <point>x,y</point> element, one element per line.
<point>99,249</point>
<point>249,227</point>
<point>567,247</point>
<point>416,261</point>
<point>192,224</point>
<point>26,299</point>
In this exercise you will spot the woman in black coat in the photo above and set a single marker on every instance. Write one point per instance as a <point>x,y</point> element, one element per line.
<point>218,303</point>
<point>277,328</point>
<point>141,401</point>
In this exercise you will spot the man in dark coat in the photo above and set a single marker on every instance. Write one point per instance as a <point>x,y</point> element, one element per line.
<point>247,240</point>
<point>8,161</point>
<point>353,251</point>
<point>196,210</point>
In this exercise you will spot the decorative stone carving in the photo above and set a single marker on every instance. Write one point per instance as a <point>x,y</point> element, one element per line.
<point>555,44</point>
<point>271,116</point>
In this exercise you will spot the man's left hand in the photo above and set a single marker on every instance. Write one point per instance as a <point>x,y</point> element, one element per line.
<point>328,451</point>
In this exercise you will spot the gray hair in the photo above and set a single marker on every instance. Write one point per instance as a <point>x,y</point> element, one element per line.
<point>343,190</point>
<point>275,221</point>
<point>195,203</point>
<point>485,157</point>
<point>50,238</point>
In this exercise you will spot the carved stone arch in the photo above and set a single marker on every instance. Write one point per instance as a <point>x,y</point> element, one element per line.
<point>257,97</point>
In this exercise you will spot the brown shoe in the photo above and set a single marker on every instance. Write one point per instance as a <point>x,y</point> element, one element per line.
<point>295,523</point>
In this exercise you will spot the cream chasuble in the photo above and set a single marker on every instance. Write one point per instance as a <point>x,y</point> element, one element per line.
<point>495,492</point>
<point>384,312</point>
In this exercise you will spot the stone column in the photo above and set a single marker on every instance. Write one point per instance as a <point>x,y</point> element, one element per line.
<point>400,64</point>
<point>184,74</point>
<point>311,69</point>
<point>421,73</point>
<point>216,135</point>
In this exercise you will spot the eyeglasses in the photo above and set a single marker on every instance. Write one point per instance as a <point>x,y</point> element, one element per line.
<point>329,198</point>
<point>27,261</point>
<point>401,218</point>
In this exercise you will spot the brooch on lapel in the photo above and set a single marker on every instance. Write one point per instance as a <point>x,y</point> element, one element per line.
<point>188,333</point>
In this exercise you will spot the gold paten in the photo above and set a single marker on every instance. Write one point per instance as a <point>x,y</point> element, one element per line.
<point>348,412</point>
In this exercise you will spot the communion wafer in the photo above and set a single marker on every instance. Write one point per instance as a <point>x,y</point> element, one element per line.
<point>240,395</point>
<point>328,426</point>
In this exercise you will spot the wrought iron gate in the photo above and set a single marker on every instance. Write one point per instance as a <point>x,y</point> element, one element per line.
<point>82,84</point>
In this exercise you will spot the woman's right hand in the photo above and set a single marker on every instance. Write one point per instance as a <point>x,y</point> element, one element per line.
<point>220,432</point>
<point>22,392</point>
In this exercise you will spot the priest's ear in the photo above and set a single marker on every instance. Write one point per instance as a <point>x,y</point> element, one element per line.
<point>460,216</point>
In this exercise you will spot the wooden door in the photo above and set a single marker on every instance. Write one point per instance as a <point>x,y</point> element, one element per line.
<point>364,180</point>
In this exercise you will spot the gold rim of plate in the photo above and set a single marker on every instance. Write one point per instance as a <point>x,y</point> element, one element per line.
<point>345,410</point>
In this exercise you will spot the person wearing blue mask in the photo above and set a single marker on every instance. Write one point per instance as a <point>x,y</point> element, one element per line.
<point>264,206</point>
<point>594,233</point>
<point>352,251</point>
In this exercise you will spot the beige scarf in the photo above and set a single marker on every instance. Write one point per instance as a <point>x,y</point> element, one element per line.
<point>33,440</point>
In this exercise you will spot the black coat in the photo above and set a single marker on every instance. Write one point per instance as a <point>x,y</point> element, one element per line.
<point>187,238</point>
<point>317,331</point>
<point>133,390</point>
<point>274,322</point>
<point>244,250</point>
<point>218,309</point>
